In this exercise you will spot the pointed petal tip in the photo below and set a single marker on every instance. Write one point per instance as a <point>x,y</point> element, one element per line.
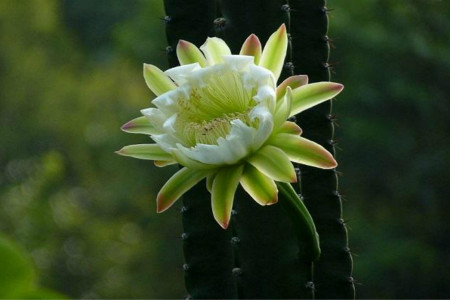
<point>282,28</point>
<point>224,224</point>
<point>126,126</point>
<point>273,201</point>
<point>159,204</point>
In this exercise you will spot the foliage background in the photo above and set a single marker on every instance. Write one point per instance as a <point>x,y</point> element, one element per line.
<point>70,76</point>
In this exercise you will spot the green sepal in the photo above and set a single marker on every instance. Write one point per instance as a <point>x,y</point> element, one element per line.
<point>139,125</point>
<point>274,52</point>
<point>301,220</point>
<point>274,163</point>
<point>158,82</point>
<point>188,53</point>
<point>176,186</point>
<point>145,151</point>
<point>312,94</point>
<point>252,47</point>
<point>223,189</point>
<point>260,187</point>
<point>304,151</point>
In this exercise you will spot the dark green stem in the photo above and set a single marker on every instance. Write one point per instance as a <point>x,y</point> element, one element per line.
<point>271,264</point>
<point>207,248</point>
<point>310,51</point>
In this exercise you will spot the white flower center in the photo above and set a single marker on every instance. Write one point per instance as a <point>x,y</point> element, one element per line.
<point>217,115</point>
<point>207,113</point>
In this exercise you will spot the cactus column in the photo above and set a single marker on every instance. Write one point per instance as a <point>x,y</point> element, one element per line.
<point>310,51</point>
<point>268,252</point>
<point>207,248</point>
<point>259,256</point>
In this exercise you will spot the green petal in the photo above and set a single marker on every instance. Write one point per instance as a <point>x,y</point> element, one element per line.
<point>188,53</point>
<point>158,82</point>
<point>223,189</point>
<point>190,163</point>
<point>303,151</point>
<point>214,48</point>
<point>176,186</point>
<point>289,127</point>
<point>283,109</point>
<point>163,163</point>
<point>274,163</point>
<point>274,52</point>
<point>209,181</point>
<point>301,219</point>
<point>139,125</point>
<point>312,94</point>
<point>252,47</point>
<point>262,188</point>
<point>293,82</point>
<point>145,151</point>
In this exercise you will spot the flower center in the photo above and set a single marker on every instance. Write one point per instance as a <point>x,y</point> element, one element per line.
<point>207,113</point>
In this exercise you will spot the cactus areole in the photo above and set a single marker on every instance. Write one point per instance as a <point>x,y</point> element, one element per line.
<point>222,117</point>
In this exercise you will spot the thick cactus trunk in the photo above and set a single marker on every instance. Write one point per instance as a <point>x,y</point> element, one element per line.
<point>259,255</point>
<point>310,51</point>
<point>207,249</point>
<point>270,261</point>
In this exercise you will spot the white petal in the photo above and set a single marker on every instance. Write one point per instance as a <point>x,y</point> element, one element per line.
<point>179,74</point>
<point>266,96</point>
<point>155,116</point>
<point>229,150</point>
<point>265,126</point>
<point>166,141</point>
<point>167,102</point>
<point>214,50</point>
<point>238,63</point>
<point>257,76</point>
<point>169,124</point>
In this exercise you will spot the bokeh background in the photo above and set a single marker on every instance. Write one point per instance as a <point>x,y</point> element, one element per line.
<point>70,76</point>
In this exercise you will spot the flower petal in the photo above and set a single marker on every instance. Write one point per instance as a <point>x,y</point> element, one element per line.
<point>188,53</point>
<point>303,151</point>
<point>180,73</point>
<point>163,163</point>
<point>252,47</point>
<point>293,82</point>
<point>274,52</point>
<point>157,81</point>
<point>274,163</point>
<point>145,151</point>
<point>290,127</point>
<point>186,161</point>
<point>176,186</point>
<point>214,48</point>
<point>222,196</point>
<point>228,151</point>
<point>260,187</point>
<point>283,109</point>
<point>139,125</point>
<point>312,94</point>
<point>209,181</point>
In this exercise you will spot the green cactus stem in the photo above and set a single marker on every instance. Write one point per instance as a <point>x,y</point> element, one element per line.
<point>309,55</point>
<point>271,264</point>
<point>207,249</point>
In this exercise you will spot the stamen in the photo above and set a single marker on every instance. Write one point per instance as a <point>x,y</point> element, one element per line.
<point>207,114</point>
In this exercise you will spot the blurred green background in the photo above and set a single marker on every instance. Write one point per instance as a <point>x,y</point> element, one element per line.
<point>70,76</point>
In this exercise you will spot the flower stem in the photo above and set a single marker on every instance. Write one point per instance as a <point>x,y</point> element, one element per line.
<point>303,223</point>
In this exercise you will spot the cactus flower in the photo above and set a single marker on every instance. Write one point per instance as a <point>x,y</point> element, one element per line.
<point>223,118</point>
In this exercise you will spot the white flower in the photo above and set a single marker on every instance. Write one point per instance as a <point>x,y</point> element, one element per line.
<point>223,118</point>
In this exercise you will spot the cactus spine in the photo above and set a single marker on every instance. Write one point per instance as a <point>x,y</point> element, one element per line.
<point>259,256</point>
